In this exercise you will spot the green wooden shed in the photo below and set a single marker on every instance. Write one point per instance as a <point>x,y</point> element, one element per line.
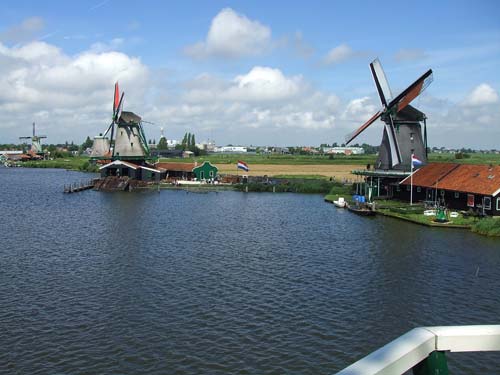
<point>206,171</point>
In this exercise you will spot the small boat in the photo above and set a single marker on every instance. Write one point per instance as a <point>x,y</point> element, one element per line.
<point>341,203</point>
<point>363,210</point>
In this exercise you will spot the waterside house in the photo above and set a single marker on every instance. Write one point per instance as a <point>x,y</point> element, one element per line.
<point>120,168</point>
<point>188,171</point>
<point>458,186</point>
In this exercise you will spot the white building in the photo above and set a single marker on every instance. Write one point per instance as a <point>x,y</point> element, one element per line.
<point>344,150</point>
<point>231,149</point>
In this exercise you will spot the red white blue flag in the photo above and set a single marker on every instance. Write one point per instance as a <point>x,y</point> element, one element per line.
<point>242,165</point>
<point>415,162</point>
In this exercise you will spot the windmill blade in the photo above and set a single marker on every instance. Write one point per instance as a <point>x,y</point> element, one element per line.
<point>363,127</point>
<point>118,112</point>
<point>116,99</point>
<point>384,91</point>
<point>393,143</point>
<point>109,128</point>
<point>414,90</point>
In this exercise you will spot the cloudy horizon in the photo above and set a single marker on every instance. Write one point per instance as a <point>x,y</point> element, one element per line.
<point>246,75</point>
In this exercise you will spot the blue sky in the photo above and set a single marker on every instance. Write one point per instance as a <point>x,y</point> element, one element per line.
<point>248,72</point>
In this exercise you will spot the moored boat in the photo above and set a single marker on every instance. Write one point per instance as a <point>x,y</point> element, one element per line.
<point>363,210</point>
<point>341,203</point>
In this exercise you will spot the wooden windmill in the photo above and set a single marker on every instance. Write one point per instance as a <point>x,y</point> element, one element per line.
<point>402,135</point>
<point>36,142</point>
<point>127,139</point>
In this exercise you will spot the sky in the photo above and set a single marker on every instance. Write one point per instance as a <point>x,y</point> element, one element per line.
<point>283,73</point>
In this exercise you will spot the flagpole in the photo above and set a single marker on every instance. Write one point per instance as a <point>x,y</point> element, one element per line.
<point>411,185</point>
<point>411,181</point>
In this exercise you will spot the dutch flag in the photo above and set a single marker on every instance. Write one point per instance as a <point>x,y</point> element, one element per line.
<point>415,162</point>
<point>242,165</point>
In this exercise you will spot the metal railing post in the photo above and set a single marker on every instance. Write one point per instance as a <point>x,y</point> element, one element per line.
<point>434,364</point>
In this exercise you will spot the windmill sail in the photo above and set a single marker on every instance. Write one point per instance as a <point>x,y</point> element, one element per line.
<point>411,92</point>
<point>384,91</point>
<point>362,128</point>
<point>393,143</point>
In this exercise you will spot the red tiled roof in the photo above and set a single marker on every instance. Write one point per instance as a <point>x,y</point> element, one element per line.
<point>477,179</point>
<point>430,173</point>
<point>183,167</point>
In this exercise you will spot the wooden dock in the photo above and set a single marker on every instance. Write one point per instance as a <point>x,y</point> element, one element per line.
<point>79,186</point>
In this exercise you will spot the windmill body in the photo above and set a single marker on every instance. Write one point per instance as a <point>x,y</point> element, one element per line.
<point>130,142</point>
<point>408,134</point>
<point>100,147</point>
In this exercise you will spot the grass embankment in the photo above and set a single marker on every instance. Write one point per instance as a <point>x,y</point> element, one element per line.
<point>75,164</point>
<point>487,226</point>
<point>293,185</point>
<point>415,213</point>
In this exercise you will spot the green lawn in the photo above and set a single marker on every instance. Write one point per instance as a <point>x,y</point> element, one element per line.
<point>280,159</point>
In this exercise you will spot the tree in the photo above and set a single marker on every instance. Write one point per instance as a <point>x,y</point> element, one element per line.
<point>162,145</point>
<point>87,144</point>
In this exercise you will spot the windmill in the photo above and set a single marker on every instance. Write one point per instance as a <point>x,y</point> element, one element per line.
<point>36,142</point>
<point>402,135</point>
<point>127,140</point>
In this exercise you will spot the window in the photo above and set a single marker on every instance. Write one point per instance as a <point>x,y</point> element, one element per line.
<point>202,175</point>
<point>407,187</point>
<point>398,188</point>
<point>419,189</point>
<point>211,173</point>
<point>442,193</point>
<point>132,144</point>
<point>498,204</point>
<point>487,203</point>
<point>470,200</point>
<point>457,194</point>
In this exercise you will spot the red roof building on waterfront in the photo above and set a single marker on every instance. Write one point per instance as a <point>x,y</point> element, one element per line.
<point>460,186</point>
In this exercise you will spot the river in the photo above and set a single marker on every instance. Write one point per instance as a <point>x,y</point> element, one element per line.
<point>173,282</point>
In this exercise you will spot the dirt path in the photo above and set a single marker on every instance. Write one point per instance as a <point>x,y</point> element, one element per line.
<point>337,171</point>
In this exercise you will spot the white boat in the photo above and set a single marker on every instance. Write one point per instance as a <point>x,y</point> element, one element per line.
<point>341,203</point>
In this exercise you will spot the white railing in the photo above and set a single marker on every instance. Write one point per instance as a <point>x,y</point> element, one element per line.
<point>415,346</point>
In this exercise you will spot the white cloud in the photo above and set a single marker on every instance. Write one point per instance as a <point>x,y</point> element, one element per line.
<point>232,35</point>
<point>359,110</point>
<point>263,83</point>
<point>67,95</point>
<point>26,30</point>
<point>481,95</point>
<point>339,54</point>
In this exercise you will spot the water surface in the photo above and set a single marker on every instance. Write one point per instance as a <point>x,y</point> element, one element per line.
<point>222,283</point>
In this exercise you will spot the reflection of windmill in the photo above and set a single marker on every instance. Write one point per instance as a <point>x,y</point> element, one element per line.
<point>36,141</point>
<point>402,132</point>
<point>127,141</point>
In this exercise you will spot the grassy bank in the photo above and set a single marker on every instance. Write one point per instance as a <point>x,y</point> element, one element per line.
<point>75,164</point>
<point>415,214</point>
<point>304,186</point>
<point>487,227</point>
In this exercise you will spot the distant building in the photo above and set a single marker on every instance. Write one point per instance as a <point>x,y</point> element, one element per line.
<point>343,150</point>
<point>231,149</point>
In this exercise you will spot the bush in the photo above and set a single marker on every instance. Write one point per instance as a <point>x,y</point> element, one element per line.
<point>487,226</point>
